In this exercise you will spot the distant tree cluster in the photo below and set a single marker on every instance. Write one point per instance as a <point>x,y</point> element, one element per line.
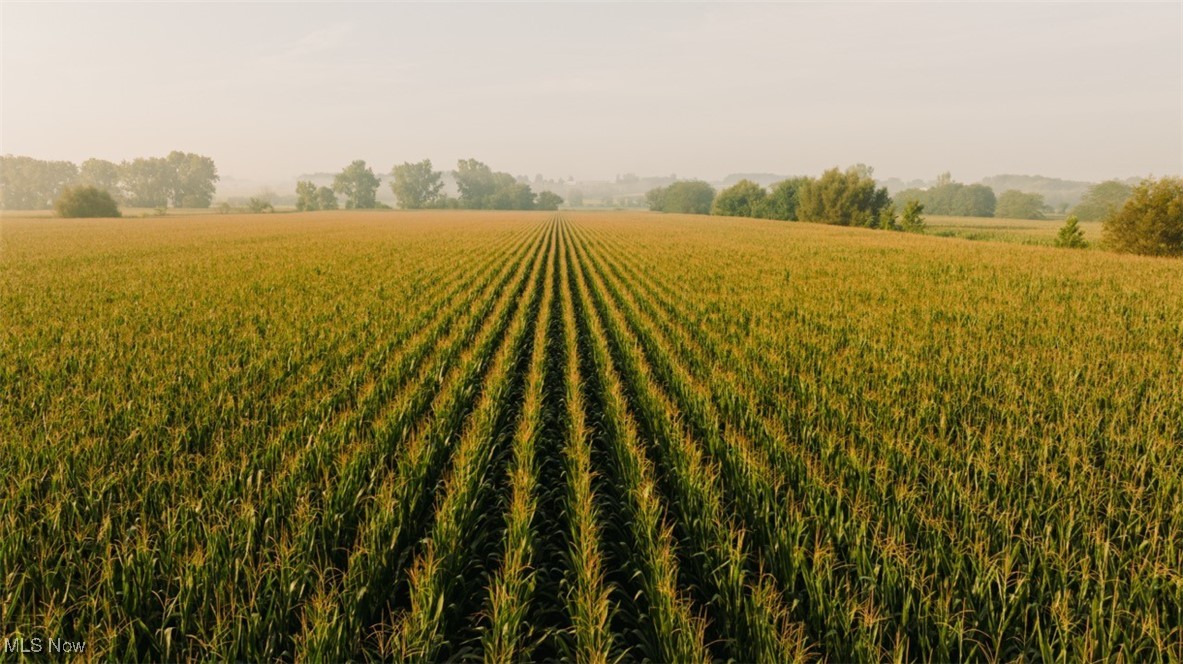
<point>1151,220</point>
<point>1014,204</point>
<point>482,188</point>
<point>181,179</point>
<point>952,198</point>
<point>1102,200</point>
<point>310,197</point>
<point>845,198</point>
<point>418,186</point>
<point>684,197</point>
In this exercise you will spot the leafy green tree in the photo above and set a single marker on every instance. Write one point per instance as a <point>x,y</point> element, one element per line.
<point>952,198</point>
<point>511,195</point>
<point>910,220</point>
<point>476,183</point>
<point>1151,221</point>
<point>942,197</point>
<point>358,184</point>
<point>975,200</point>
<point>688,197</point>
<point>33,184</point>
<point>781,202</point>
<point>1102,200</point>
<point>416,185</point>
<point>887,218</point>
<point>548,200</point>
<point>1014,204</point>
<point>655,197</point>
<point>193,177</point>
<point>742,199</point>
<point>306,198</point>
<point>483,189</point>
<point>147,181</point>
<point>326,199</point>
<point>86,201</point>
<point>101,174</point>
<point>847,198</point>
<point>1070,235</point>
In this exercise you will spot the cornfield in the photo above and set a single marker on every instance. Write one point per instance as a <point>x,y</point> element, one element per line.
<point>598,437</point>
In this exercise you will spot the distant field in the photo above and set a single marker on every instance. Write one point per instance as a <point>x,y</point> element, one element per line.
<point>1021,231</point>
<point>436,435</point>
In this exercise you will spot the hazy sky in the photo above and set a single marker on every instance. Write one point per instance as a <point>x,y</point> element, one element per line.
<point>1080,91</point>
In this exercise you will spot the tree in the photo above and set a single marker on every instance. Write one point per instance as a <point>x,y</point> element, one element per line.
<point>511,195</point>
<point>476,183</point>
<point>910,220</point>
<point>742,199</point>
<point>1102,200</point>
<point>847,198</point>
<point>655,197</point>
<point>86,201</point>
<point>548,200</point>
<point>358,184</point>
<point>887,218</point>
<point>975,200</point>
<point>951,198</point>
<point>781,202</point>
<point>1070,235</point>
<point>1014,204</point>
<point>147,181</point>
<point>416,185</point>
<point>193,177</point>
<point>326,199</point>
<point>306,199</point>
<point>688,197</point>
<point>1151,221</point>
<point>33,184</point>
<point>483,189</point>
<point>101,174</point>
<point>575,197</point>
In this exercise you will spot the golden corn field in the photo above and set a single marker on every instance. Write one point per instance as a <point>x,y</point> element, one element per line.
<point>594,436</point>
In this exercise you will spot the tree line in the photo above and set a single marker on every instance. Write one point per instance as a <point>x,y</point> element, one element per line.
<point>1145,219</point>
<point>418,186</point>
<point>844,198</point>
<point>180,179</point>
<point>955,199</point>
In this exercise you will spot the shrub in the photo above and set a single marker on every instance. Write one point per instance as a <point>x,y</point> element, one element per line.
<point>911,220</point>
<point>258,205</point>
<point>86,201</point>
<point>1070,236</point>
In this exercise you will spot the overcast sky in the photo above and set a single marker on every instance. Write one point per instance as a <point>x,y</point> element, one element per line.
<point>270,91</point>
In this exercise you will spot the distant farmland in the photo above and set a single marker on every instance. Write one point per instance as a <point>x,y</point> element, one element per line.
<point>437,435</point>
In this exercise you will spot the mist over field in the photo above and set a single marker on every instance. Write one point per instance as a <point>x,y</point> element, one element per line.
<point>1083,92</point>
